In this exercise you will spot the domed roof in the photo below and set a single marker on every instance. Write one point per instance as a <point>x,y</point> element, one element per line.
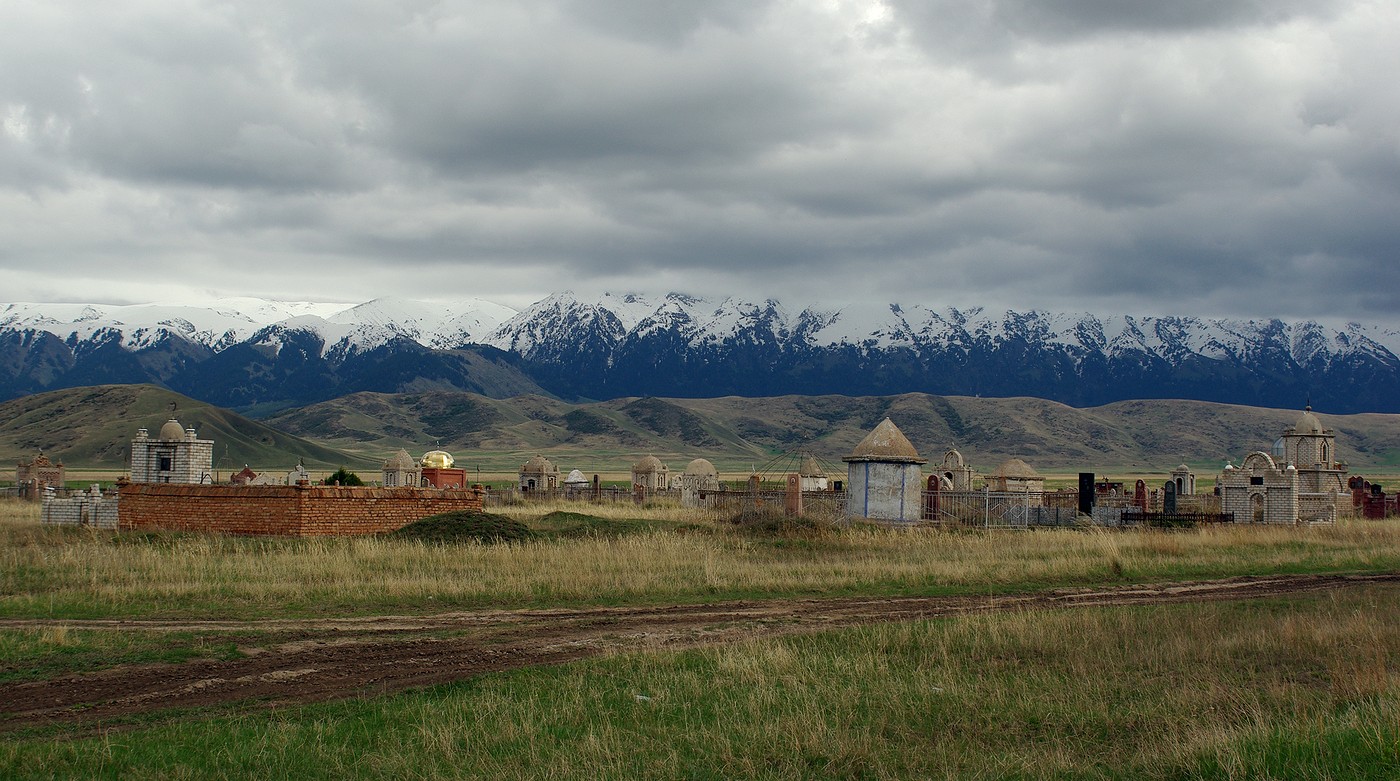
<point>437,459</point>
<point>700,467</point>
<point>575,477</point>
<point>538,465</point>
<point>886,443</point>
<point>810,468</point>
<point>1015,467</point>
<point>172,430</point>
<point>399,461</point>
<point>1307,423</point>
<point>648,464</point>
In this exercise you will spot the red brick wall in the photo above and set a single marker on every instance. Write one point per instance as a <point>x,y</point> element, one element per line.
<point>304,511</point>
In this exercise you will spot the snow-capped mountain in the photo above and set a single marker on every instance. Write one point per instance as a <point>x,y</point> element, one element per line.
<point>248,352</point>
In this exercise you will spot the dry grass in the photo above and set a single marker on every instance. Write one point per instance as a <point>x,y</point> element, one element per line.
<point>80,572</point>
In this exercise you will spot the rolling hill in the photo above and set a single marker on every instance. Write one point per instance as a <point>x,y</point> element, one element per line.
<point>1129,435</point>
<point>93,427</point>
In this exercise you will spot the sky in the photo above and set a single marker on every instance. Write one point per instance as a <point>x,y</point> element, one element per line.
<point>1231,158</point>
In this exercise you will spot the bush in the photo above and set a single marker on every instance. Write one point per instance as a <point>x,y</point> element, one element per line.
<point>344,477</point>
<point>465,526</point>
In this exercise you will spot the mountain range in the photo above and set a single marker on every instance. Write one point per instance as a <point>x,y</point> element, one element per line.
<point>261,356</point>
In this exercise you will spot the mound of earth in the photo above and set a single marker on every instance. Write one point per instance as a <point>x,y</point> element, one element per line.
<point>465,526</point>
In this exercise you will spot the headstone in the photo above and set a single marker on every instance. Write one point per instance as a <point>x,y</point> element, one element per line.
<point>1086,493</point>
<point>1169,497</point>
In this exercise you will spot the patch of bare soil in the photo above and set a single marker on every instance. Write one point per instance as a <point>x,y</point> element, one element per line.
<point>324,659</point>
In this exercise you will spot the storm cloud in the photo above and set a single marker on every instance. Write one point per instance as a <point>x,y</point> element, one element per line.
<point>1212,158</point>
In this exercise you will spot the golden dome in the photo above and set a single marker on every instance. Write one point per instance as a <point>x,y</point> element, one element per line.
<point>437,459</point>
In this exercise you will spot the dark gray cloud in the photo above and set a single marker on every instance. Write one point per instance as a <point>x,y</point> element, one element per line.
<point>1230,158</point>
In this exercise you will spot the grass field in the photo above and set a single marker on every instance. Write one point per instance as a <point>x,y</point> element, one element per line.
<point>1303,687</point>
<point>80,573</point>
<point>1300,689</point>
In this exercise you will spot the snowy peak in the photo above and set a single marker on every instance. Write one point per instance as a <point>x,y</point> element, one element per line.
<point>621,344</point>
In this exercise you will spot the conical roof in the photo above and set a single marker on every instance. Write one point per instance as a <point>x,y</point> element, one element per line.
<point>575,477</point>
<point>886,443</point>
<point>810,468</point>
<point>1015,467</point>
<point>400,461</point>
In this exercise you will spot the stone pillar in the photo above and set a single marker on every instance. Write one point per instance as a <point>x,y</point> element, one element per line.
<point>792,502</point>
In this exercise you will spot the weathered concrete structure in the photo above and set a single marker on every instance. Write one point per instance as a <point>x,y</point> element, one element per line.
<point>85,508</point>
<point>1260,491</point>
<point>698,482</point>
<point>1312,450</point>
<point>650,474</point>
<point>955,473</point>
<point>175,456</point>
<point>884,480</point>
<point>400,471</point>
<point>1015,476</point>
<point>1183,480</point>
<point>811,475</point>
<point>1298,483</point>
<point>576,483</point>
<point>539,474</point>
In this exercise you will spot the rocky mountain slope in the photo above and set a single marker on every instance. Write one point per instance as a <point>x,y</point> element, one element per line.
<point>261,356</point>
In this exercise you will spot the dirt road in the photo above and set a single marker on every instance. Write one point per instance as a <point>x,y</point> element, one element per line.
<point>322,659</point>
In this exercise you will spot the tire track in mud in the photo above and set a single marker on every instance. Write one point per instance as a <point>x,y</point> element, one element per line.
<point>325,659</point>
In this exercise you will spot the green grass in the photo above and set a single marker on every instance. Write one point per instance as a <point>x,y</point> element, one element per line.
<point>562,524</point>
<point>45,652</point>
<point>1298,688</point>
<point>464,527</point>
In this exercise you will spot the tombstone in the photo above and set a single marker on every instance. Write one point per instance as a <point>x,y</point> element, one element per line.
<point>1086,493</point>
<point>792,500</point>
<point>1169,497</point>
<point>931,498</point>
<point>1140,496</point>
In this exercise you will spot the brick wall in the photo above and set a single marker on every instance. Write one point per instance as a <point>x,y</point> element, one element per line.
<point>302,511</point>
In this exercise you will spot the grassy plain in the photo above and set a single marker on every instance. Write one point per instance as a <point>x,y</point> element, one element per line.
<point>1304,687</point>
<point>81,573</point>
